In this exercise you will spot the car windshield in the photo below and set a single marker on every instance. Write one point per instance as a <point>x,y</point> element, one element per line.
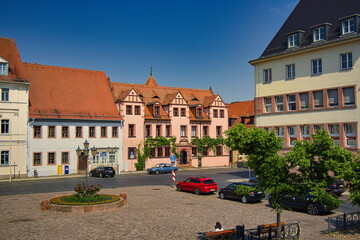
<point>108,168</point>
<point>208,181</point>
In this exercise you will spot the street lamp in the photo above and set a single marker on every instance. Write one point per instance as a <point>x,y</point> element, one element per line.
<point>86,151</point>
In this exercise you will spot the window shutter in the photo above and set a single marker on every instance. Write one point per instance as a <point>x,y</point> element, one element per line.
<point>333,97</point>
<point>318,99</point>
<point>304,98</point>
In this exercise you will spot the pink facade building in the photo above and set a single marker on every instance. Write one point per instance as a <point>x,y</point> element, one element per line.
<point>150,110</point>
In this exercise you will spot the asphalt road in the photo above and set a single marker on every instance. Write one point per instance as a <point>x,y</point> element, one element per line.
<point>222,176</point>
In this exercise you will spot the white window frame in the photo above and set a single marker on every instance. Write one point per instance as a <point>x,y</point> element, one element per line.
<point>305,132</point>
<point>293,40</point>
<point>267,75</point>
<point>318,34</point>
<point>348,26</point>
<point>290,71</point>
<point>292,135</point>
<point>268,104</point>
<point>4,68</point>
<point>112,157</point>
<point>290,102</point>
<point>316,66</point>
<point>193,131</point>
<point>280,133</point>
<point>333,134</point>
<point>279,103</point>
<point>5,93</point>
<point>346,61</point>
<point>182,131</point>
<point>5,126</point>
<point>303,105</point>
<point>5,158</point>
<point>349,135</point>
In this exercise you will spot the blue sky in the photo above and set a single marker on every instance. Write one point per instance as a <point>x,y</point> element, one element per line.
<point>192,44</point>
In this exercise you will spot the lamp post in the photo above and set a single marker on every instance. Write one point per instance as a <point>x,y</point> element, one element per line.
<point>86,151</point>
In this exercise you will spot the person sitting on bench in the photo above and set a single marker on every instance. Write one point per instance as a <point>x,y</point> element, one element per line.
<point>218,227</point>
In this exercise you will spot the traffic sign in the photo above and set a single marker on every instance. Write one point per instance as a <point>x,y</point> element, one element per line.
<point>172,158</point>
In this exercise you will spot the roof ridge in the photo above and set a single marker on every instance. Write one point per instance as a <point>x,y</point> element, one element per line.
<point>69,68</point>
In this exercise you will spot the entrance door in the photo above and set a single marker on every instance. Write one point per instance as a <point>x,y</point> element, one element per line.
<point>183,157</point>
<point>82,164</point>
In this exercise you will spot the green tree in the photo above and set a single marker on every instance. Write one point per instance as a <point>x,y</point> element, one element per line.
<point>352,178</point>
<point>203,143</point>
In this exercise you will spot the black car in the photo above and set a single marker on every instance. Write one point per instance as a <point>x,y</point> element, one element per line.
<point>102,171</point>
<point>336,187</point>
<point>229,192</point>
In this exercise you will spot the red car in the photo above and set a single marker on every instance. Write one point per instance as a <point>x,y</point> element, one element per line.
<point>197,185</point>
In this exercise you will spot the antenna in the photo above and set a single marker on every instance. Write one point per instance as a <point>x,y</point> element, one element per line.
<point>151,69</point>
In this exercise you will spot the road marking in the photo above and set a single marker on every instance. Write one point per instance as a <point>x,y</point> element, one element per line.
<point>238,180</point>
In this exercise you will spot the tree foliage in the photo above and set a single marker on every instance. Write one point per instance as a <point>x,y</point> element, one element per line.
<point>205,142</point>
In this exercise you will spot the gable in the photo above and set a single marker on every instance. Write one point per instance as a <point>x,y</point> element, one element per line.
<point>132,96</point>
<point>179,99</point>
<point>218,102</point>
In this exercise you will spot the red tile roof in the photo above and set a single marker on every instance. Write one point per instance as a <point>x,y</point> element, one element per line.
<point>242,109</point>
<point>10,53</point>
<point>67,93</point>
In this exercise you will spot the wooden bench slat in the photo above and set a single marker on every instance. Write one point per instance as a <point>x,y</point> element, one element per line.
<point>220,232</point>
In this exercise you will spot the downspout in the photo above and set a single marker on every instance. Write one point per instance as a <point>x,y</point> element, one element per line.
<point>28,147</point>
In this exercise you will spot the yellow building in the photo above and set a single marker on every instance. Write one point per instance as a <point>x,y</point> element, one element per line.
<point>308,76</point>
<point>14,105</point>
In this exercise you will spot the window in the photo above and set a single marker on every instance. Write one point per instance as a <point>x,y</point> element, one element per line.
<point>183,131</point>
<point>293,40</point>
<point>205,151</point>
<point>292,135</point>
<point>37,131</point>
<point>96,158</point>
<point>292,102</point>
<point>37,159</point>
<point>65,131</point>
<point>158,130</point>
<point>199,112</point>
<point>267,75</point>
<point>222,114</point>
<point>4,158</point>
<point>318,128</point>
<point>137,110</point>
<point>205,131</point>
<point>333,98</point>
<point>51,132</point>
<point>131,130</point>
<point>112,157</point>
<point>168,130</point>
<point>280,133</point>
<point>115,132</point>
<point>64,158</point>
<point>103,132</point>
<point>167,152</point>
<point>219,151</point>
<point>157,110</point>
<point>346,61</point>
<point>176,112</point>
<point>193,131</point>
<point>128,110</point>
<point>215,113</point>
<point>268,106</point>
<point>268,129</point>
<point>304,101</point>
<point>318,34</point>
<point>5,126</point>
<point>148,131</point>
<point>316,66</point>
<point>350,134</point>
<point>318,99</point>
<point>279,103</point>
<point>349,98</point>
<point>290,71</point>
<point>5,94</point>
<point>92,132</point>
<point>51,158</point>
<point>160,152</point>
<point>78,132</point>
<point>305,132</point>
<point>183,112</point>
<point>348,26</point>
<point>193,151</point>
<point>4,69</point>
<point>152,152</point>
<point>334,133</point>
<point>218,131</point>
<point>131,153</point>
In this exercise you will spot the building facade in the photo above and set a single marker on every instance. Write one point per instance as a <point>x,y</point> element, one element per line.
<point>68,107</point>
<point>150,110</point>
<point>308,76</point>
<point>13,111</point>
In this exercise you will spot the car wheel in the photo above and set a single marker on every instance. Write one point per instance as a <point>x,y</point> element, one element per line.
<point>100,175</point>
<point>112,175</point>
<point>244,199</point>
<point>312,209</point>
<point>90,174</point>
<point>157,172</point>
<point>197,191</point>
<point>178,187</point>
<point>222,195</point>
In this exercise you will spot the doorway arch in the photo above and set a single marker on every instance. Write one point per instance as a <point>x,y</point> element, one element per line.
<point>183,157</point>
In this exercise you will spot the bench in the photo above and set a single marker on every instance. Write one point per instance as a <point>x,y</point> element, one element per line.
<point>219,234</point>
<point>266,229</point>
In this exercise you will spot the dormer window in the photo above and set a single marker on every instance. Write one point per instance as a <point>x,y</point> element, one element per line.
<point>199,112</point>
<point>4,67</point>
<point>293,40</point>
<point>157,110</point>
<point>319,34</point>
<point>348,25</point>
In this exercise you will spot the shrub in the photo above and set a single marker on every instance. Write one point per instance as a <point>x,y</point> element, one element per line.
<point>83,191</point>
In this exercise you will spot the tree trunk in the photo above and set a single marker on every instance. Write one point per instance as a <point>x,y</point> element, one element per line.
<point>278,227</point>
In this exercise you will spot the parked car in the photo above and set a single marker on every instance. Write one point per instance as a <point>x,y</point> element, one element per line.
<point>336,187</point>
<point>102,171</point>
<point>229,193</point>
<point>254,180</point>
<point>197,185</point>
<point>162,168</point>
<point>306,203</point>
